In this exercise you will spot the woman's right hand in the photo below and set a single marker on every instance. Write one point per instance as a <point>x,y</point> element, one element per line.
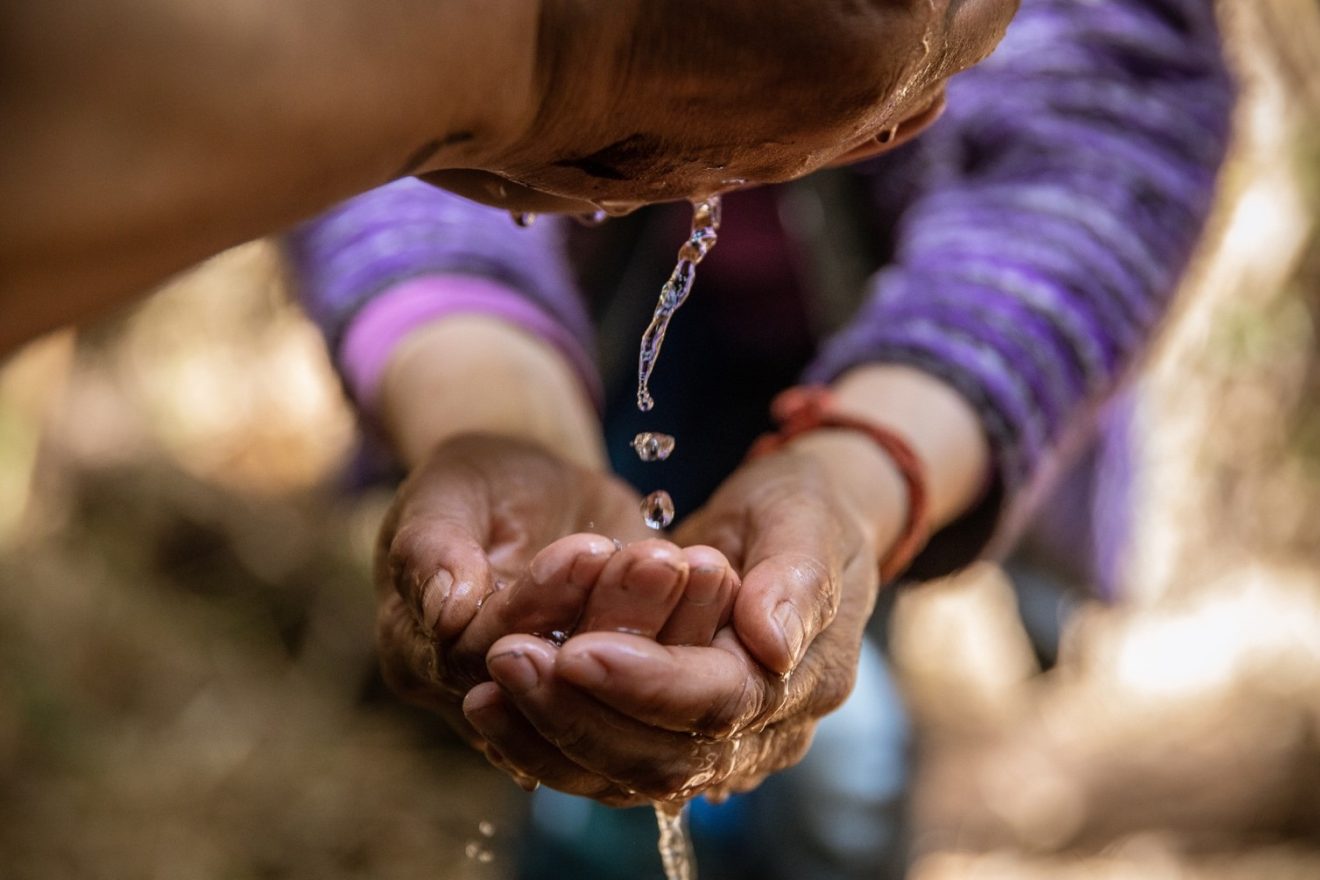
<point>492,536</point>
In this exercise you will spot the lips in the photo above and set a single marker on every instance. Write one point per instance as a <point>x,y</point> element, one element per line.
<point>894,137</point>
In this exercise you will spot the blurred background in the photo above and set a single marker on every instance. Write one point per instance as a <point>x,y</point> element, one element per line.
<point>187,688</point>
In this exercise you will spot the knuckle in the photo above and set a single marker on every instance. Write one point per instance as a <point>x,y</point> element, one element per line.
<point>789,747</point>
<point>407,667</point>
<point>574,739</point>
<point>826,609</point>
<point>831,687</point>
<point>734,711</point>
<point>662,783</point>
<point>399,562</point>
<point>825,588</point>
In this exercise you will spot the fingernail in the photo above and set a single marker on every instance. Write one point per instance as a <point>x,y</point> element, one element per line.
<point>434,596</point>
<point>791,629</point>
<point>704,585</point>
<point>543,568</point>
<point>462,590</point>
<point>582,669</point>
<point>586,567</point>
<point>514,672</point>
<point>652,580</point>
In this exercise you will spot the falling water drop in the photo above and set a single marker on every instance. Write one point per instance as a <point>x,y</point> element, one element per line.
<point>653,447</point>
<point>705,225</point>
<point>522,218</point>
<point>658,510</point>
<point>706,213</point>
<point>595,218</point>
<point>675,845</point>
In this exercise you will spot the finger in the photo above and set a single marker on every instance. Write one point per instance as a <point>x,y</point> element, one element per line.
<point>547,600</point>
<point>408,665</point>
<point>766,723</point>
<point>713,691</point>
<point>796,556</point>
<point>706,602</point>
<point>500,192</point>
<point>656,763</point>
<point>526,755</point>
<point>407,656</point>
<point>785,601</point>
<point>638,589</point>
<point>435,561</point>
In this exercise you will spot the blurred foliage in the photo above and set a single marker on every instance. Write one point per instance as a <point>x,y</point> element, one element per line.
<point>187,679</point>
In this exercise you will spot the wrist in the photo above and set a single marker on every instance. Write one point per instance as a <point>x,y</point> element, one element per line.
<point>864,477</point>
<point>941,427</point>
<point>471,373</point>
<point>918,430</point>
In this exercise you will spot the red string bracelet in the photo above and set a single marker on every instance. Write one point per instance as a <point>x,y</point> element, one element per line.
<point>806,408</point>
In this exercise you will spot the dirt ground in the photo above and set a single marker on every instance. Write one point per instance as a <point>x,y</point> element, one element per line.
<point>187,688</point>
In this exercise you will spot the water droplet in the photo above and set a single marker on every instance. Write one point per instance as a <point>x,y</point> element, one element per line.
<point>658,510</point>
<point>697,246</point>
<point>675,843</point>
<point>705,222</point>
<point>522,218</point>
<point>706,212</point>
<point>595,218</point>
<point>653,447</point>
<point>734,181</point>
<point>557,637</point>
<point>486,827</point>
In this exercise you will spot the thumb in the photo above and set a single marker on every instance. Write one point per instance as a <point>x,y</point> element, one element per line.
<point>431,550</point>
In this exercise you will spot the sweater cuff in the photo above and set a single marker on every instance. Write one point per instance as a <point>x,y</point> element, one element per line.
<point>376,330</point>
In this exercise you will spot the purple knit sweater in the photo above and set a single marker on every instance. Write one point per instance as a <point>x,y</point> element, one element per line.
<point>1053,210</point>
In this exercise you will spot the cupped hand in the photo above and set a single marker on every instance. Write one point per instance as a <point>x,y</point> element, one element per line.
<point>469,521</point>
<point>491,536</point>
<point>623,718</point>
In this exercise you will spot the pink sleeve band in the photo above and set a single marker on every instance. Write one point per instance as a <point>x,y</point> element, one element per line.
<point>370,339</point>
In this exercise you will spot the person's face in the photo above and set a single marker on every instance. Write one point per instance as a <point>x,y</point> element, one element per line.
<point>830,83</point>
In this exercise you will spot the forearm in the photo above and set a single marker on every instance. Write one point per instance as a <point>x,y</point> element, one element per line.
<point>139,140</point>
<point>474,373</point>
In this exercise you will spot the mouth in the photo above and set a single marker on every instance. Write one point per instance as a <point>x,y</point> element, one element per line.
<point>895,136</point>
<point>500,192</point>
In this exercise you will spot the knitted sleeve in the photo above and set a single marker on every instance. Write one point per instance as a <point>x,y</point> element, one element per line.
<point>377,265</point>
<point>1057,205</point>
